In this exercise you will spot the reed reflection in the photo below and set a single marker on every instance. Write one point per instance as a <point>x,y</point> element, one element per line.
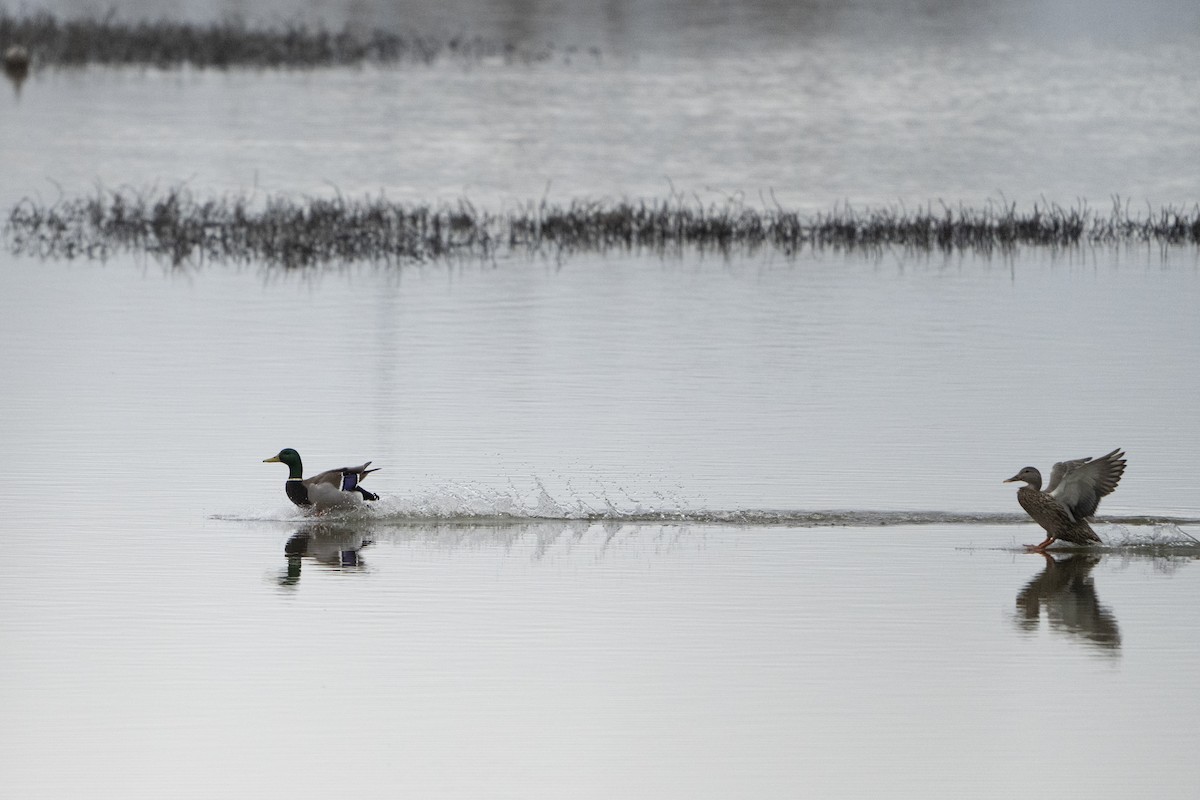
<point>332,547</point>
<point>1066,590</point>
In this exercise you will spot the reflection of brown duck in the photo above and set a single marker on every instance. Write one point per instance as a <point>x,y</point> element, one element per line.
<point>1066,590</point>
<point>1073,495</point>
<point>333,547</point>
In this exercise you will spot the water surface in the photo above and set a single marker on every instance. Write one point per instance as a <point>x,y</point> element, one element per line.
<point>871,104</point>
<point>165,604</point>
<point>559,594</point>
<point>589,660</point>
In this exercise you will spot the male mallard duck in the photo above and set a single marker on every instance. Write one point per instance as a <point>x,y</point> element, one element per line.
<point>335,488</point>
<point>1073,494</point>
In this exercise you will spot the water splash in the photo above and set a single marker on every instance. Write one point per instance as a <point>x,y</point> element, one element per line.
<point>466,503</point>
<point>1132,537</point>
<point>1154,535</point>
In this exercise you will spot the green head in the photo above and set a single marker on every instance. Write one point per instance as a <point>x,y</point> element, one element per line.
<point>290,457</point>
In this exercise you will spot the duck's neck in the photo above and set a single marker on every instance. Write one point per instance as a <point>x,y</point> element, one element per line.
<point>295,470</point>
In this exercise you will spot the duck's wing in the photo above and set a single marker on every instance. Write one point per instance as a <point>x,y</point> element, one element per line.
<point>345,478</point>
<point>1061,469</point>
<point>330,477</point>
<point>352,475</point>
<point>1085,481</point>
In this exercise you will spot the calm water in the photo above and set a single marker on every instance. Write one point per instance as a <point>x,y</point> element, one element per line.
<point>169,626</point>
<point>874,103</point>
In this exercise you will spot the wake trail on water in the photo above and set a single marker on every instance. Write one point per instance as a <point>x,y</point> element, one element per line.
<point>1156,534</point>
<point>471,505</point>
<point>1146,535</point>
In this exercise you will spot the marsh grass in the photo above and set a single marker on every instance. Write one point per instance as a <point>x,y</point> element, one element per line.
<point>233,43</point>
<point>287,232</point>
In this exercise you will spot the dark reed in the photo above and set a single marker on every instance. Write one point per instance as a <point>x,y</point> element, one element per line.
<point>233,43</point>
<point>295,232</point>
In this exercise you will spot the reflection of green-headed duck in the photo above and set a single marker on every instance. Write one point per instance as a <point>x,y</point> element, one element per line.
<point>16,57</point>
<point>16,62</point>
<point>335,488</point>
<point>1073,495</point>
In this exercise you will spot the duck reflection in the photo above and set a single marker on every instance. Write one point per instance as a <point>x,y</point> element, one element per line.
<point>333,547</point>
<point>16,65</point>
<point>1066,590</point>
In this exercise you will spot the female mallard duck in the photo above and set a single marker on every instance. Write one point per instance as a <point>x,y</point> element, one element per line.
<point>1073,495</point>
<point>335,488</point>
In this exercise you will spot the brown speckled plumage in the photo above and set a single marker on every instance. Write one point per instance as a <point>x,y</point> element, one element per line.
<point>1073,495</point>
<point>1052,515</point>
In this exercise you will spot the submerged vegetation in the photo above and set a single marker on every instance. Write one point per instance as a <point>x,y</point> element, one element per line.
<point>280,231</point>
<point>233,43</point>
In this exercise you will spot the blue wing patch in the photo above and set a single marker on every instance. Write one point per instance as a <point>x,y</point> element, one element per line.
<point>349,481</point>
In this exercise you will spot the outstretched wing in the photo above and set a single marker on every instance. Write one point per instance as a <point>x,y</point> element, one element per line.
<point>1085,481</point>
<point>1061,469</point>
